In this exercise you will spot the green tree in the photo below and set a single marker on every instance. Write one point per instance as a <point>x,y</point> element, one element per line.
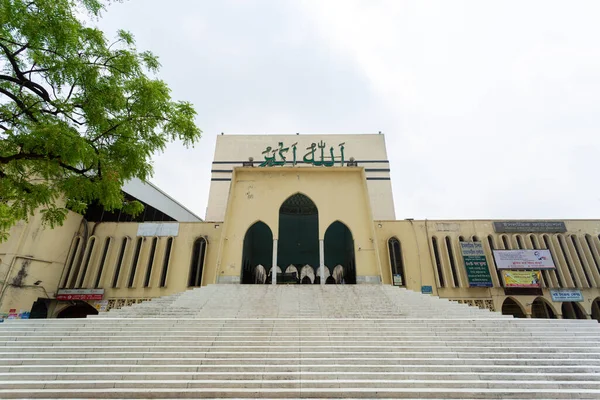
<point>79,114</point>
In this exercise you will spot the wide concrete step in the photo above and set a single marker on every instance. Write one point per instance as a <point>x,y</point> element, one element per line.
<point>450,367</point>
<point>295,373</point>
<point>294,383</point>
<point>231,342</point>
<point>190,342</point>
<point>279,348</point>
<point>297,393</point>
<point>283,358</point>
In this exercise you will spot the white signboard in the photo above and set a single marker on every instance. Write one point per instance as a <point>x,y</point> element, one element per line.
<point>158,229</point>
<point>566,295</point>
<point>523,259</point>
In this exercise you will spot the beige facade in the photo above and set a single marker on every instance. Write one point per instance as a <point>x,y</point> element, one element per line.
<point>137,261</point>
<point>368,150</point>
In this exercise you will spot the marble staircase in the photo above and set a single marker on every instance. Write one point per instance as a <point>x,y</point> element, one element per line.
<point>305,341</point>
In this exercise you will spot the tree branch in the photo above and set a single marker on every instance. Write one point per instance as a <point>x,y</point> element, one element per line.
<point>21,49</point>
<point>34,87</point>
<point>32,156</point>
<point>19,103</point>
<point>12,61</point>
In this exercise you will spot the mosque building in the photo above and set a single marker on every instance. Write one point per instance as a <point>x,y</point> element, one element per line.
<point>297,209</point>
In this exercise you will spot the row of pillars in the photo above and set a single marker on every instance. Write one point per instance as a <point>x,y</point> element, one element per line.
<point>321,262</point>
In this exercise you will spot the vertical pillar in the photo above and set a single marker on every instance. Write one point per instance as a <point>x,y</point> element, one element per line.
<point>274,267</point>
<point>322,260</point>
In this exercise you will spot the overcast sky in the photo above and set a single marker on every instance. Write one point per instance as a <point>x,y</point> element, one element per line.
<point>490,109</point>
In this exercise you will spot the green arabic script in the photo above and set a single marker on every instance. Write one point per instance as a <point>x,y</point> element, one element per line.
<point>316,155</point>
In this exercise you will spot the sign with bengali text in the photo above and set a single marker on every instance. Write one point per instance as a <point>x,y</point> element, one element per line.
<point>523,259</point>
<point>566,295</point>
<point>80,294</point>
<point>478,272</point>
<point>529,227</point>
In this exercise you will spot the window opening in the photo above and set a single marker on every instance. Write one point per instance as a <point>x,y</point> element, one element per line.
<point>119,263</point>
<point>163,277</point>
<point>102,261</point>
<point>150,262</point>
<point>396,261</point>
<point>71,261</point>
<point>136,258</point>
<point>436,256</point>
<point>498,272</point>
<point>452,263</point>
<point>86,263</point>
<point>581,260</point>
<point>198,253</point>
<point>590,243</point>
<point>546,240</point>
<point>566,256</point>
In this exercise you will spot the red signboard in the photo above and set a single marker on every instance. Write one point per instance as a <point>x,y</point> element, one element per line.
<point>80,294</point>
<point>79,297</point>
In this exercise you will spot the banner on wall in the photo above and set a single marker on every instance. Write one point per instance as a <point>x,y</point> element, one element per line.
<point>523,259</point>
<point>476,264</point>
<point>522,279</point>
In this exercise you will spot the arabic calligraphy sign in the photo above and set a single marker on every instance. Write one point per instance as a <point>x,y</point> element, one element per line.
<point>279,155</point>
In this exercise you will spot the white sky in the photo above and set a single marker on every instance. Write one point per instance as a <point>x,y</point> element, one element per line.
<point>491,109</point>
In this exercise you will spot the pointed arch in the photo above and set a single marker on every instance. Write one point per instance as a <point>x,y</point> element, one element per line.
<point>572,310</point>
<point>512,307</point>
<point>307,274</point>
<point>542,308</point>
<point>339,250</point>
<point>326,272</point>
<point>396,259</point>
<point>299,203</point>
<point>197,263</point>
<point>338,274</point>
<point>80,309</point>
<point>257,250</point>
<point>260,274</point>
<point>293,273</point>
<point>298,236</point>
<point>596,309</point>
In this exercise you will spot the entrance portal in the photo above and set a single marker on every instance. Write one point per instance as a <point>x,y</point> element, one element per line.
<point>257,254</point>
<point>339,251</point>
<point>79,310</point>
<point>298,244</point>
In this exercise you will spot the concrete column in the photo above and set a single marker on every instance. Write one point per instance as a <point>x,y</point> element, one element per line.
<point>274,268</point>
<point>322,260</point>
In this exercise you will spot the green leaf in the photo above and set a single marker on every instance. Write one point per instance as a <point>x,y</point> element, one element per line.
<point>93,123</point>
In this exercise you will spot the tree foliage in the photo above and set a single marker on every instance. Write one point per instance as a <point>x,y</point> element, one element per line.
<point>79,114</point>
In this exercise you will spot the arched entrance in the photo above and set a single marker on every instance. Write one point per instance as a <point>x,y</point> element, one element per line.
<point>511,307</point>
<point>298,243</point>
<point>39,309</point>
<point>79,310</point>
<point>572,310</point>
<point>541,309</point>
<point>339,250</point>
<point>596,309</point>
<point>258,251</point>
